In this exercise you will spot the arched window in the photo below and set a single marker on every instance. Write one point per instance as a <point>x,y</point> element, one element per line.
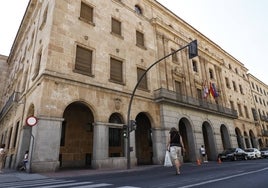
<point>138,9</point>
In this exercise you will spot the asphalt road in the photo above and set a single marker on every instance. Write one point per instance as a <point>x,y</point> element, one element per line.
<point>233,174</point>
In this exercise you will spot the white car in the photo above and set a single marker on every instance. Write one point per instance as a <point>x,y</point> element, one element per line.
<point>264,152</point>
<point>253,153</point>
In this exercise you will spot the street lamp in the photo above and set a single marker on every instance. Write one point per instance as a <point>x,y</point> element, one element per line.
<point>192,52</point>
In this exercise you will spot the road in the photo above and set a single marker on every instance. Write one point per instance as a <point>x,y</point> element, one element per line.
<point>233,174</point>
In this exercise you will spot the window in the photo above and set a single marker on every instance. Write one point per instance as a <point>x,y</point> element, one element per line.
<point>234,86</point>
<point>227,83</point>
<point>174,56</point>
<point>178,87</point>
<point>86,13</point>
<point>239,110</point>
<point>246,111</point>
<point>143,83</point>
<point>16,134</point>
<point>194,66</point>
<point>37,64</point>
<point>116,140</point>
<point>116,27</point>
<point>138,9</point>
<point>252,84</point>
<point>83,61</point>
<point>241,89</point>
<point>232,105</point>
<point>230,66</point>
<point>139,39</point>
<point>236,71</point>
<point>211,74</point>
<point>116,70</point>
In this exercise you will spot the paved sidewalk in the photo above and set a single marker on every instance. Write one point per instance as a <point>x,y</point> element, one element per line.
<point>10,175</point>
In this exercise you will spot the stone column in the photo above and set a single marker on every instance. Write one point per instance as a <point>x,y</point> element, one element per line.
<point>45,145</point>
<point>159,146</point>
<point>100,145</point>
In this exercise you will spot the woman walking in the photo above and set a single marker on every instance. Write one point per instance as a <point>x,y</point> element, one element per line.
<point>175,146</point>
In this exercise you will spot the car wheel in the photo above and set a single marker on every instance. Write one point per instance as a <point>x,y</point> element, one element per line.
<point>246,157</point>
<point>234,158</point>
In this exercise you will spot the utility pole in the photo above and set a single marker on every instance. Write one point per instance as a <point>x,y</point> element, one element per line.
<point>193,52</point>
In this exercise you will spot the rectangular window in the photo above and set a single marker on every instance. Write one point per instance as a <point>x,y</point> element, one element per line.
<point>178,87</point>
<point>116,27</point>
<point>139,39</point>
<point>116,70</point>
<point>174,56</point>
<point>232,105</point>
<point>143,83</point>
<point>240,110</point>
<point>227,83</point>
<point>211,74</point>
<point>234,86</point>
<point>115,142</point>
<point>83,61</point>
<point>16,134</point>
<point>241,89</point>
<point>194,66</point>
<point>86,12</point>
<point>246,111</point>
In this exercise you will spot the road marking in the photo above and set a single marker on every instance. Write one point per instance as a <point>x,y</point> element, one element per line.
<point>225,178</point>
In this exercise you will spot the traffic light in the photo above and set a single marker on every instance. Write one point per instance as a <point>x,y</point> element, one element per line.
<point>193,49</point>
<point>133,125</point>
<point>125,131</point>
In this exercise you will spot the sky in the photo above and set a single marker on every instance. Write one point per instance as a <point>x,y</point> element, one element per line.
<point>239,27</point>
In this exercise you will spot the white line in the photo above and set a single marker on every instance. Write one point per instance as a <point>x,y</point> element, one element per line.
<point>220,179</point>
<point>67,184</point>
<point>94,185</point>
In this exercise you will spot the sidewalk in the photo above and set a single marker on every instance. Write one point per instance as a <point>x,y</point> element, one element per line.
<point>11,175</point>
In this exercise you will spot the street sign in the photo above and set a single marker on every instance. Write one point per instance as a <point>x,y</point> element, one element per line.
<point>31,121</point>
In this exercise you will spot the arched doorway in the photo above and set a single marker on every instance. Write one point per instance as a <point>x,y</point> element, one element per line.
<point>186,132</point>
<point>143,138</point>
<point>239,138</point>
<point>225,137</point>
<point>246,140</point>
<point>76,144</point>
<point>252,139</point>
<point>209,141</point>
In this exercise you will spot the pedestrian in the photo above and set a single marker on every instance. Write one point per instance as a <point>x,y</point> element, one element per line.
<point>2,157</point>
<point>175,146</point>
<point>25,159</point>
<point>203,154</point>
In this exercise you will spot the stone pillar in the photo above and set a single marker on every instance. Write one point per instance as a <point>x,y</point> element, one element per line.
<point>45,145</point>
<point>100,145</point>
<point>159,146</point>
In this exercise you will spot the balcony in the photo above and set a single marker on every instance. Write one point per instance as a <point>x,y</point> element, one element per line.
<point>264,132</point>
<point>13,98</point>
<point>166,96</point>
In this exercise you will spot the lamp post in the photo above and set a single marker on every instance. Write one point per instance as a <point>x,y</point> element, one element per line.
<point>193,52</point>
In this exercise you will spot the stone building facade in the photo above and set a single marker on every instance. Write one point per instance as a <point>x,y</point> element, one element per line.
<point>74,65</point>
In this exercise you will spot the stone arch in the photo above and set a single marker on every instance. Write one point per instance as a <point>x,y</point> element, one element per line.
<point>225,137</point>
<point>186,131</point>
<point>143,139</point>
<point>247,140</point>
<point>253,140</point>
<point>76,143</point>
<point>209,141</point>
<point>239,138</point>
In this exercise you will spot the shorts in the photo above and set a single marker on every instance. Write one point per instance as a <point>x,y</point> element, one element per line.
<point>175,152</point>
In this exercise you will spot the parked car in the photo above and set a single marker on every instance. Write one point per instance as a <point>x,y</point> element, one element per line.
<point>264,152</point>
<point>253,153</point>
<point>233,154</point>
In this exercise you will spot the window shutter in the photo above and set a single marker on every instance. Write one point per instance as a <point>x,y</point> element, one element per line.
<point>116,26</point>
<point>83,60</point>
<point>143,83</point>
<point>116,70</point>
<point>139,38</point>
<point>86,12</point>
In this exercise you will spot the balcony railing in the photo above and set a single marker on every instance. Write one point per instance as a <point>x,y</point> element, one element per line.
<point>264,132</point>
<point>167,96</point>
<point>13,98</point>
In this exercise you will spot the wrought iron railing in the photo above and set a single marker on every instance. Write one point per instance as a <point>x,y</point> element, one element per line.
<point>164,95</point>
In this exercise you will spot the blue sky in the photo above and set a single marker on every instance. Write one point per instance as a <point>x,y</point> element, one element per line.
<point>237,26</point>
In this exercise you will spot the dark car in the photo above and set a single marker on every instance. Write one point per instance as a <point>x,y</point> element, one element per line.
<point>233,154</point>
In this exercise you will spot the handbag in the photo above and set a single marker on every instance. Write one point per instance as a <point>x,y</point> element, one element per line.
<point>167,162</point>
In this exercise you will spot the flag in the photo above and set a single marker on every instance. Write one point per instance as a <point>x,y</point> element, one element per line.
<point>216,94</point>
<point>211,90</point>
<point>205,91</point>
